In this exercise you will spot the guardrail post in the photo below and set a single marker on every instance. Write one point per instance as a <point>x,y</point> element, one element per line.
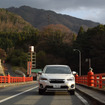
<point>76,78</point>
<point>9,78</point>
<point>4,79</point>
<point>95,81</point>
<point>23,78</point>
<point>100,81</point>
<point>90,78</point>
<point>31,78</point>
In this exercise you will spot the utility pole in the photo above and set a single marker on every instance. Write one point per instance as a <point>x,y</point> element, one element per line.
<point>79,60</point>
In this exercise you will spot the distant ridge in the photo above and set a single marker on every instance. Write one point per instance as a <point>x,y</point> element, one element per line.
<point>39,18</point>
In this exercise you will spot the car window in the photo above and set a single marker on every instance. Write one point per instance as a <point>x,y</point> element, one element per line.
<point>57,70</point>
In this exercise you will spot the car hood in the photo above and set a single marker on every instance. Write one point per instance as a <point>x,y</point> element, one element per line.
<point>57,76</point>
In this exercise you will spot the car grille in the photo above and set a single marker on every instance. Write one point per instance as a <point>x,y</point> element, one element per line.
<point>56,80</point>
<point>62,87</point>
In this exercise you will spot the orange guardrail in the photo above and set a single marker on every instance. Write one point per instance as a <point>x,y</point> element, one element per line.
<point>99,80</point>
<point>10,79</point>
<point>91,79</point>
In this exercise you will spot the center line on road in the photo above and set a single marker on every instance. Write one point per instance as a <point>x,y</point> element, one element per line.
<point>82,99</point>
<point>17,94</point>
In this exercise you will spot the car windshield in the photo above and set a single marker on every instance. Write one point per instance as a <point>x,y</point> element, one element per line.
<point>57,70</point>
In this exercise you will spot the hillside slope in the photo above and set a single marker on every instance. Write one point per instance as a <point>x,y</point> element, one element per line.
<point>10,22</point>
<point>39,18</point>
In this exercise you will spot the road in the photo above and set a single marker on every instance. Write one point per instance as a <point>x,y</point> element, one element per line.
<point>28,95</point>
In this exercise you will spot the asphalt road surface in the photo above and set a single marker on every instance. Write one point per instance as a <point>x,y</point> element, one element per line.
<point>28,95</point>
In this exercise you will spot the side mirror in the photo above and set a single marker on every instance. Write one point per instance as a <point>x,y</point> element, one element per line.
<point>40,72</point>
<point>73,72</point>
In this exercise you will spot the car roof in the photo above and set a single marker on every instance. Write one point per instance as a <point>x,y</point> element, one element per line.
<point>57,65</point>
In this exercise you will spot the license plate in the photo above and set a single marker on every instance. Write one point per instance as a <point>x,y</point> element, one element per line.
<point>56,86</point>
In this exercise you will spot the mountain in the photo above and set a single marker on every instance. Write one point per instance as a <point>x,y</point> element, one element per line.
<point>10,22</point>
<point>39,18</point>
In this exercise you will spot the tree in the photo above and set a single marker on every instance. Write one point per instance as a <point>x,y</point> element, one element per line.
<point>41,59</point>
<point>92,45</point>
<point>60,31</point>
<point>18,58</point>
<point>3,54</point>
<point>81,31</point>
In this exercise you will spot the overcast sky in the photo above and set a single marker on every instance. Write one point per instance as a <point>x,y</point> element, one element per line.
<point>85,9</point>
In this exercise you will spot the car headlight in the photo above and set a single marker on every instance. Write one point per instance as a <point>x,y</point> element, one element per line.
<point>43,78</point>
<point>70,79</point>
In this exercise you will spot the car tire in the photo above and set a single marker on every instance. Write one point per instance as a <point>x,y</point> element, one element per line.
<point>41,91</point>
<point>72,92</point>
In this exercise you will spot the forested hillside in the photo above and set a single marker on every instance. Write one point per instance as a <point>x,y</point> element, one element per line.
<point>92,45</point>
<point>39,18</point>
<point>51,48</point>
<point>51,45</point>
<point>54,44</point>
<point>10,22</point>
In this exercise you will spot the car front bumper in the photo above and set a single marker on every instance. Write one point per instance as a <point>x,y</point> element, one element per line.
<point>67,85</point>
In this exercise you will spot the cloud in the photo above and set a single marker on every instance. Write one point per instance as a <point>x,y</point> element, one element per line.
<point>55,4</point>
<point>87,9</point>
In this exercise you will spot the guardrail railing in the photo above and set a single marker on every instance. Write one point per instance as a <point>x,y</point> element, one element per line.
<point>10,79</point>
<point>91,79</point>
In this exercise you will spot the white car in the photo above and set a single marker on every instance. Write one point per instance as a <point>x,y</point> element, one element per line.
<point>57,77</point>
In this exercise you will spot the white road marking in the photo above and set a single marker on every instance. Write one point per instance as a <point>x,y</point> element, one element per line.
<point>82,99</point>
<point>3,100</point>
<point>17,94</point>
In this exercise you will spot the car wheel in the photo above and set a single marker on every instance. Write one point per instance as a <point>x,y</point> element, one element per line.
<point>41,91</point>
<point>72,92</point>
